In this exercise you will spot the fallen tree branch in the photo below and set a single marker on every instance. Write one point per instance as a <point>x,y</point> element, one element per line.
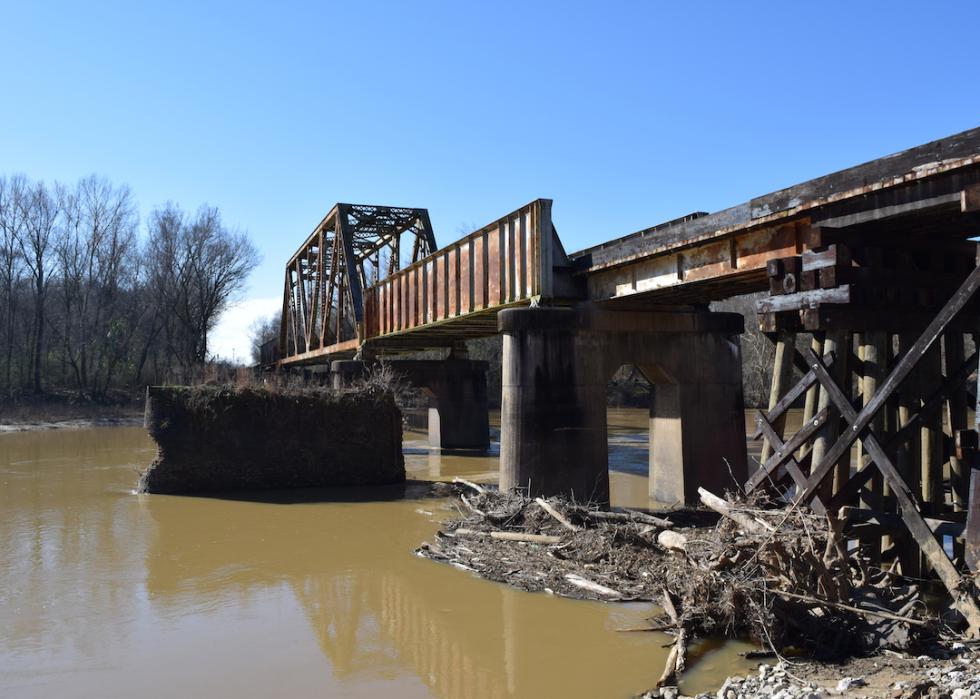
<point>511,536</point>
<point>471,507</point>
<point>631,516</point>
<point>558,516</point>
<point>585,584</point>
<point>849,608</point>
<point>747,523</point>
<point>470,484</point>
<point>676,658</point>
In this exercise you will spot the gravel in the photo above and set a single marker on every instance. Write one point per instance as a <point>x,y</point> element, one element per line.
<point>922,677</point>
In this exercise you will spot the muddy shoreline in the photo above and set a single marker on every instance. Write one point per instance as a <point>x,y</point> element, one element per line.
<point>76,423</point>
<point>58,411</point>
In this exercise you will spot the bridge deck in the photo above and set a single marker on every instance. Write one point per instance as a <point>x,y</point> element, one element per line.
<point>707,257</point>
<point>927,193</point>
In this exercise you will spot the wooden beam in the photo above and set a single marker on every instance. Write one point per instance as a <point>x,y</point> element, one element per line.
<point>910,513</point>
<point>785,451</point>
<point>909,429</point>
<point>950,200</point>
<point>805,299</point>
<point>792,395</point>
<point>782,374</point>
<point>895,378</point>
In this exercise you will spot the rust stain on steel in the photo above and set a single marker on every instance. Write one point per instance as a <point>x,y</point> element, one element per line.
<point>453,280</point>
<point>499,264</point>
<point>493,254</point>
<point>479,272</point>
<point>465,281</point>
<point>440,286</point>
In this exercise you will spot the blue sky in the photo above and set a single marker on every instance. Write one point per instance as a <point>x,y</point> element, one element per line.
<point>626,114</point>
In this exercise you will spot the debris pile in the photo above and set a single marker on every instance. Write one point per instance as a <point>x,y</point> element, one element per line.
<point>783,577</point>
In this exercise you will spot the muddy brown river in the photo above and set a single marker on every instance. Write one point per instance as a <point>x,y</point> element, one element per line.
<point>104,593</point>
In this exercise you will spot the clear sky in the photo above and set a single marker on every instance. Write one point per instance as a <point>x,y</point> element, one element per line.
<point>626,114</point>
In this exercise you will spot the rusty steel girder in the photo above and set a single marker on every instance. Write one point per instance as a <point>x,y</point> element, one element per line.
<point>353,247</point>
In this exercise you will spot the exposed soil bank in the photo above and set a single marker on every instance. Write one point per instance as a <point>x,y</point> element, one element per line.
<point>71,424</point>
<point>67,411</point>
<point>220,438</point>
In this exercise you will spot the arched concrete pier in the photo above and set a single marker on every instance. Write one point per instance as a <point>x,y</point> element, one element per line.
<point>459,416</point>
<point>557,362</point>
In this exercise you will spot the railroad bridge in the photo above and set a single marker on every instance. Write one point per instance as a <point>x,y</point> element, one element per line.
<point>874,264</point>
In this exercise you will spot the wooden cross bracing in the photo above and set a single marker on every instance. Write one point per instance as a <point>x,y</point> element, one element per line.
<point>811,489</point>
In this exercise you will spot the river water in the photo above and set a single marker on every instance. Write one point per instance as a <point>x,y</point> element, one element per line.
<point>104,593</point>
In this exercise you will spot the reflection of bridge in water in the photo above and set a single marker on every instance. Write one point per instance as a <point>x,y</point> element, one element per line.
<point>345,612</point>
<point>376,611</point>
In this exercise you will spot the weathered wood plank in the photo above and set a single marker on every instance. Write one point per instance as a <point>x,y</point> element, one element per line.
<point>805,299</point>
<point>785,450</point>
<point>836,255</point>
<point>907,505</point>
<point>895,378</point>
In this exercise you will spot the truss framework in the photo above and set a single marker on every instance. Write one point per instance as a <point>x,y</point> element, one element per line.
<point>352,248</point>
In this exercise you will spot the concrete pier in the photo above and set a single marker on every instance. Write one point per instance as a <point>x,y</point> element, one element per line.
<point>459,416</point>
<point>557,362</point>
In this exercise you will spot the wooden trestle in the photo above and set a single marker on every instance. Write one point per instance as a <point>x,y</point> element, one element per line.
<point>884,444</point>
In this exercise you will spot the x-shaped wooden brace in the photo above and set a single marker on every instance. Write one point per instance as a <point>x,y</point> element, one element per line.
<point>859,428</point>
<point>783,453</point>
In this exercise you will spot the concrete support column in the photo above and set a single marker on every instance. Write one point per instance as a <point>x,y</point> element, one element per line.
<point>697,439</point>
<point>556,364</point>
<point>697,423</point>
<point>553,414</point>
<point>459,416</point>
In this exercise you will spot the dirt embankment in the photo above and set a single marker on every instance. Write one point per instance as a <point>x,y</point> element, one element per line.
<point>214,438</point>
<point>67,411</point>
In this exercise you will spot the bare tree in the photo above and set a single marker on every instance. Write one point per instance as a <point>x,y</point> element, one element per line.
<point>198,267</point>
<point>11,269</point>
<point>94,253</point>
<point>262,331</point>
<point>40,212</point>
<point>84,303</point>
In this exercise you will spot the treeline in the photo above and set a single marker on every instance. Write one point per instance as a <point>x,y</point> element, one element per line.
<point>92,301</point>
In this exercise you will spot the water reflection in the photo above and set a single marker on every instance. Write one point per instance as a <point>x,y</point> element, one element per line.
<point>106,593</point>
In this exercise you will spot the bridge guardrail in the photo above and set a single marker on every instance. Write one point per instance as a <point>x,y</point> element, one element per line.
<point>507,262</point>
